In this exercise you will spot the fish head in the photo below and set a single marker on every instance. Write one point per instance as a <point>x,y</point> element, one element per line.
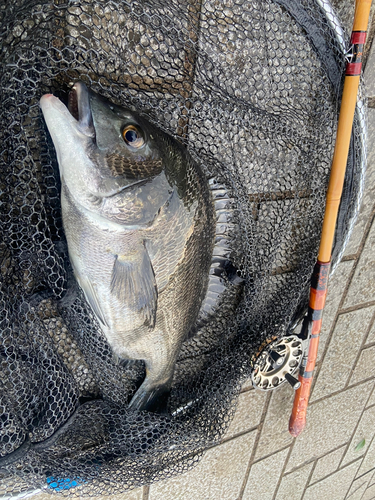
<point>102,149</point>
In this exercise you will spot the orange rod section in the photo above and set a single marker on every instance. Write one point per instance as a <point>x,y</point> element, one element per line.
<point>297,420</point>
<point>318,293</point>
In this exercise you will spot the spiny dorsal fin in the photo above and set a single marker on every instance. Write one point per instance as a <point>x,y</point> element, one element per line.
<point>219,275</point>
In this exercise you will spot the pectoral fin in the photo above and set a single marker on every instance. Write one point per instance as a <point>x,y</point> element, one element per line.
<point>133,283</point>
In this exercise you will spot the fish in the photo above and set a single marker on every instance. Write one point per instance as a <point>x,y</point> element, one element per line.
<point>140,223</point>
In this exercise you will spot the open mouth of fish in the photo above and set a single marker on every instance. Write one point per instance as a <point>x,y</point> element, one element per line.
<point>79,107</point>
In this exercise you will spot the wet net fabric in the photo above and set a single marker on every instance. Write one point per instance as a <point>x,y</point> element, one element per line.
<point>252,90</point>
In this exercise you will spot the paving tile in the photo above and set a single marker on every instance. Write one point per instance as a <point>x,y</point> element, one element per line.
<point>39,496</point>
<point>333,487</point>
<point>347,338</point>
<point>220,474</point>
<point>293,485</point>
<point>368,463</point>
<point>370,73</point>
<point>327,464</point>
<point>371,474</point>
<point>371,336</point>
<point>336,287</point>
<point>264,476</point>
<point>248,413</point>
<point>371,401</point>
<point>247,385</point>
<point>330,423</point>
<point>275,434</point>
<point>365,366</point>
<point>365,430</point>
<point>362,287</point>
<point>358,487</point>
<point>369,190</point>
<point>132,495</point>
<point>369,493</point>
<point>136,494</point>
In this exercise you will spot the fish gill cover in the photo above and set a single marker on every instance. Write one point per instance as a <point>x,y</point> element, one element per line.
<point>251,91</point>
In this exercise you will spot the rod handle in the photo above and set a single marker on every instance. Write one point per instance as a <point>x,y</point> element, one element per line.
<point>297,419</point>
<point>318,293</point>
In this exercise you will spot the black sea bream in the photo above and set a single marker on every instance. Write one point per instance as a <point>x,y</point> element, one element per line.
<point>139,219</point>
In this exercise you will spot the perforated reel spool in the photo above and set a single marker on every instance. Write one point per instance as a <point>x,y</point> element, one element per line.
<point>277,362</point>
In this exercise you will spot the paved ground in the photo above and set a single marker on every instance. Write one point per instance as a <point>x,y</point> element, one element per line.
<point>335,456</point>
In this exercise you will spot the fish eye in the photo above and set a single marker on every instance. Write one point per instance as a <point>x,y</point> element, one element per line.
<point>133,136</point>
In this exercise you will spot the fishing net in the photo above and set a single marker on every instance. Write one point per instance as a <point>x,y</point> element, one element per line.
<point>252,90</point>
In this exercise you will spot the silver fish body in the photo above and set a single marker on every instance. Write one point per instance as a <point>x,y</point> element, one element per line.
<point>139,221</point>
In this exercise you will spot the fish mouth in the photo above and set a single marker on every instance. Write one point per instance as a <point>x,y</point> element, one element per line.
<point>80,109</point>
<point>73,104</point>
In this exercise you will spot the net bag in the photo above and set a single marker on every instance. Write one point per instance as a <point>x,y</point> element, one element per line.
<point>251,90</point>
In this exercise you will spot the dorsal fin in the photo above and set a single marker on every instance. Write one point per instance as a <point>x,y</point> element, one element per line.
<point>221,270</point>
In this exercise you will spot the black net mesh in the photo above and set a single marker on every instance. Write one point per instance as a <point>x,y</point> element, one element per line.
<point>251,89</point>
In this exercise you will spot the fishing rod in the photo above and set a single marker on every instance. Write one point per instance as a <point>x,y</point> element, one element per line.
<point>319,281</point>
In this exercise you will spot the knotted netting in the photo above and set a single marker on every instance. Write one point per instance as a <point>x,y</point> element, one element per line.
<point>252,90</point>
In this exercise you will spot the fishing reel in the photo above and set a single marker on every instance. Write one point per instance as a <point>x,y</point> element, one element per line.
<point>276,363</point>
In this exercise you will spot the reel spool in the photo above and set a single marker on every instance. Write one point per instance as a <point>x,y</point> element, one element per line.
<point>277,362</point>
